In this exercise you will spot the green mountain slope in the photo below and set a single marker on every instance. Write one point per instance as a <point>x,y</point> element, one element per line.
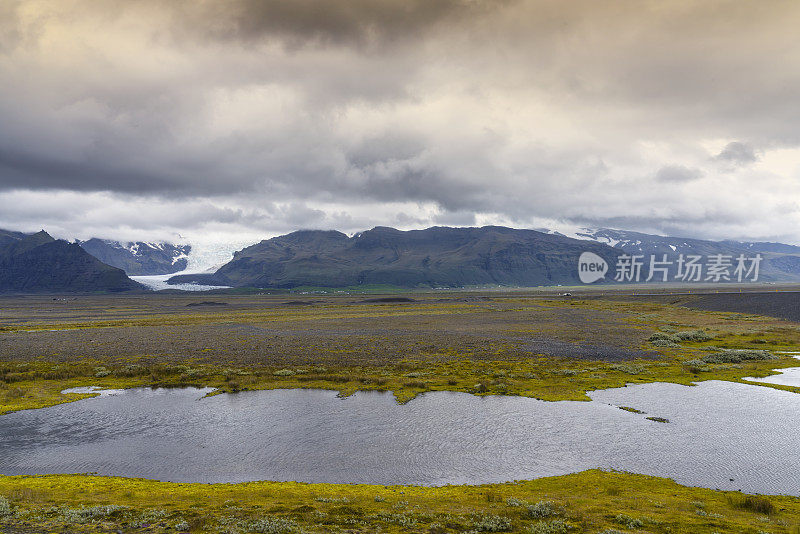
<point>434,257</point>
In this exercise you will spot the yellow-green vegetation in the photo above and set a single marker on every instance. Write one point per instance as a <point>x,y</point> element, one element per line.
<point>592,502</point>
<point>500,345</point>
<point>484,344</point>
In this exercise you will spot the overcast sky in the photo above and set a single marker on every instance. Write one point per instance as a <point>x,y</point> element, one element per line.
<point>240,119</point>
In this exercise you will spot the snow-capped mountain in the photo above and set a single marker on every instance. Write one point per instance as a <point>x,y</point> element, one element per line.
<point>781,261</point>
<point>139,258</point>
<point>641,243</point>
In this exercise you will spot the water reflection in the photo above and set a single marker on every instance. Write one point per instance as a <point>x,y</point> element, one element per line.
<point>718,431</point>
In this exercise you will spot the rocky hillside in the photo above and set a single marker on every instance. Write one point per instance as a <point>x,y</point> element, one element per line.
<point>139,258</point>
<point>435,257</point>
<point>33,263</point>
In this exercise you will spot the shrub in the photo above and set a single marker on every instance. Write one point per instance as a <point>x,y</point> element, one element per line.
<point>101,372</point>
<point>662,336</point>
<point>696,335</point>
<point>663,339</point>
<point>403,519</point>
<point>90,514</point>
<point>628,521</point>
<point>273,525</point>
<point>332,499</point>
<point>492,523</point>
<point>631,369</point>
<point>5,507</point>
<point>554,526</point>
<point>543,509</point>
<point>739,355</point>
<point>284,372</point>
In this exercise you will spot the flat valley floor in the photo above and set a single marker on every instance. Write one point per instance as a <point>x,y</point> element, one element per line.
<point>529,343</point>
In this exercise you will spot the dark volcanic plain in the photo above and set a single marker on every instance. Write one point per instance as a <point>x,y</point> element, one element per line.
<point>781,304</point>
<point>281,330</point>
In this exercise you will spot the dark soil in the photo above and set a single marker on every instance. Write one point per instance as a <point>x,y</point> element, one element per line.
<point>783,305</point>
<point>262,330</point>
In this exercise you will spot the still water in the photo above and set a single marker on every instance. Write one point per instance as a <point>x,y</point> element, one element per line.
<point>717,431</point>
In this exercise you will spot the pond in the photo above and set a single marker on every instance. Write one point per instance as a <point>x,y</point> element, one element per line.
<point>719,435</point>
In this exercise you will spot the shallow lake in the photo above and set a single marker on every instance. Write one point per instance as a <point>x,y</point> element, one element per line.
<point>718,431</point>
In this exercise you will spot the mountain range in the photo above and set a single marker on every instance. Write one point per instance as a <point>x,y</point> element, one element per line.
<point>433,257</point>
<point>491,255</point>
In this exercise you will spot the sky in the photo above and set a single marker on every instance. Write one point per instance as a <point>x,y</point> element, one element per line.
<point>229,121</point>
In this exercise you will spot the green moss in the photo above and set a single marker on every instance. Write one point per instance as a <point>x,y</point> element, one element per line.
<point>592,501</point>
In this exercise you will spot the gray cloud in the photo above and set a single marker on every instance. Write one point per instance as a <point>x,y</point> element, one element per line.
<point>737,153</point>
<point>677,173</point>
<point>283,114</point>
<point>361,23</point>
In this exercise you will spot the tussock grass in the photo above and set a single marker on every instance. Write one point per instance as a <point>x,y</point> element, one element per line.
<point>754,503</point>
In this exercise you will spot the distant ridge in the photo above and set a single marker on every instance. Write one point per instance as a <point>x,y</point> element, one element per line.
<point>434,257</point>
<point>34,263</point>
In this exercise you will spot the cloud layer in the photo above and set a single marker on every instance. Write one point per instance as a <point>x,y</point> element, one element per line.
<point>256,117</point>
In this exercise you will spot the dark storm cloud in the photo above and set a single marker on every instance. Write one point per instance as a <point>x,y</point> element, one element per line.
<point>21,170</point>
<point>460,110</point>
<point>344,22</point>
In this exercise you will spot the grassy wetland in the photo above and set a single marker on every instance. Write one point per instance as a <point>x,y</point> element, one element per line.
<point>485,344</point>
<point>592,501</point>
<point>546,347</point>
